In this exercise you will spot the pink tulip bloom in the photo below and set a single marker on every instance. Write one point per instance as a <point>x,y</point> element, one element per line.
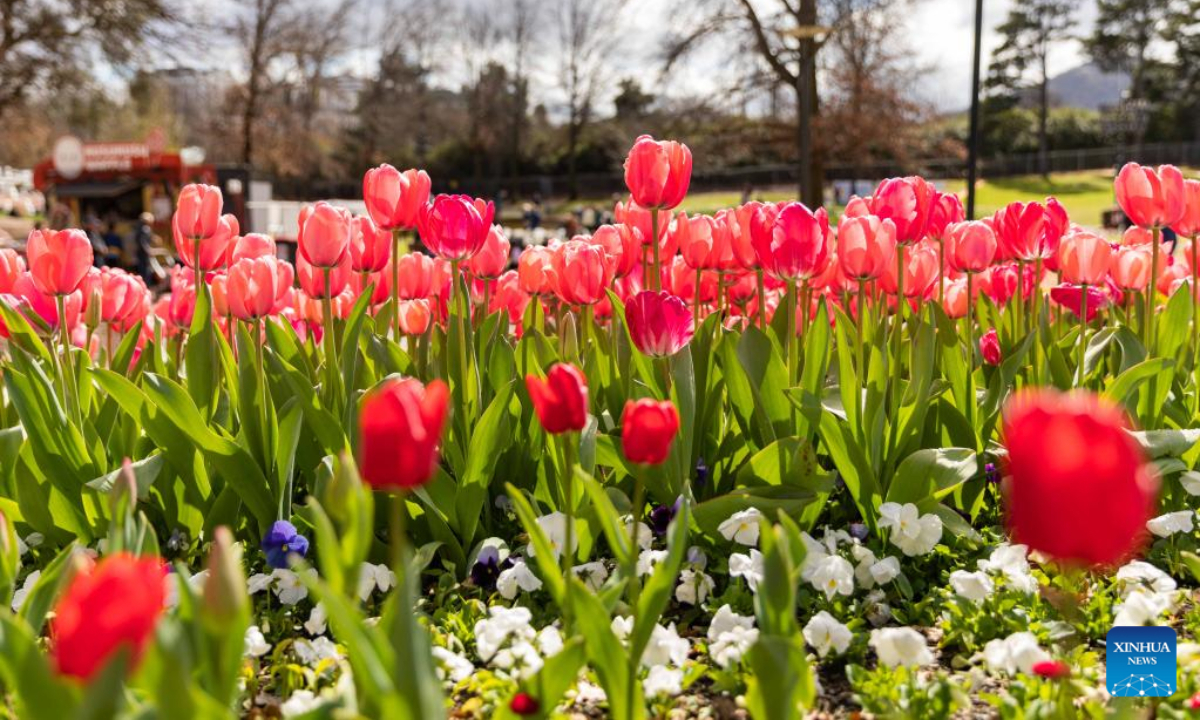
<point>660,324</point>
<point>1151,198</point>
<point>866,245</point>
<point>324,236</point>
<point>658,173</point>
<point>58,260</point>
<point>454,227</point>
<point>370,246</point>
<point>394,199</point>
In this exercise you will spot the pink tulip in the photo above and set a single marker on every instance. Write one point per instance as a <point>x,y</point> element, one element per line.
<point>324,237</point>
<point>492,258</point>
<point>313,279</point>
<point>11,267</point>
<point>251,245</point>
<point>796,243</point>
<point>906,202</point>
<point>58,260</point>
<point>920,272</point>
<point>1151,198</point>
<point>658,173</point>
<point>213,248</point>
<point>197,212</point>
<point>44,304</point>
<point>945,210</point>
<point>370,246</point>
<point>971,247</point>
<point>535,270</point>
<point>1071,297</point>
<point>1084,258</point>
<point>416,276</point>
<point>660,324</point>
<point>252,287</point>
<point>1030,231</point>
<point>415,316</point>
<point>1188,224</point>
<point>581,273</point>
<point>622,247</point>
<point>866,246</point>
<point>454,227</point>
<point>394,199</point>
<point>1131,267</point>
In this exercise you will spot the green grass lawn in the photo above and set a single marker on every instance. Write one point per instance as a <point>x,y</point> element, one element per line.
<point>1086,195</point>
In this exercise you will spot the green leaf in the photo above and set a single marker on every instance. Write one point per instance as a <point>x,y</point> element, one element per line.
<point>490,437</point>
<point>658,589</point>
<point>144,472</point>
<point>26,671</point>
<point>200,355</point>
<point>932,473</point>
<point>1166,443</point>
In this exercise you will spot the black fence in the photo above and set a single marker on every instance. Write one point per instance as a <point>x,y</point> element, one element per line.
<point>604,185</point>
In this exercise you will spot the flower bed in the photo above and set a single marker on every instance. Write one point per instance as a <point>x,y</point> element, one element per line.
<point>746,463</point>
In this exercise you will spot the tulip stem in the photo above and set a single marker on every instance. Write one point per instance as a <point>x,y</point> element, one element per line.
<point>396,283</point>
<point>970,409</point>
<point>792,346</point>
<point>762,300</point>
<point>1083,326</point>
<point>639,499</point>
<point>568,555</point>
<point>328,339</point>
<point>898,339</point>
<point>657,284</point>
<point>696,300</point>
<point>1018,307</point>
<point>1035,316</point>
<point>860,348</point>
<point>398,537</point>
<point>263,412</point>
<point>68,367</point>
<point>1151,290</point>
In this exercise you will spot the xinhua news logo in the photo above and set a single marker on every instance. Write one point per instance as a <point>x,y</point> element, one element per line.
<point>1141,662</point>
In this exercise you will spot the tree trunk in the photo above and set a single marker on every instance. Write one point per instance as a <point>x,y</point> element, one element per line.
<point>811,180</point>
<point>1044,119</point>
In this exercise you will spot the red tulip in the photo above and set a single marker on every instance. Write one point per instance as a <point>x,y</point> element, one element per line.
<point>971,246</point>
<point>580,272</point>
<point>561,399</point>
<point>455,226</point>
<point>492,258</point>
<point>906,202</point>
<point>680,280</point>
<point>622,247</point>
<point>400,428</point>
<point>635,216</point>
<point>1051,669</point>
<point>312,279</point>
<point>1079,488</point>
<point>648,429</point>
<point>11,267</point>
<point>658,173</point>
<point>510,297</point>
<point>393,198</point>
<point>1151,198</point>
<point>58,259</point>
<point>251,245</point>
<point>370,246</point>
<point>1084,258</point>
<point>112,605</point>
<point>866,246</point>
<point>660,324</point>
<point>796,242</point>
<point>989,347</point>
<point>214,249</point>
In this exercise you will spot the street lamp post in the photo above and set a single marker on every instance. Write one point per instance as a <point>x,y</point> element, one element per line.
<point>973,139</point>
<point>811,37</point>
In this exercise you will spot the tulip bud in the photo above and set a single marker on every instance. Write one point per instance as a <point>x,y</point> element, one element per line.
<point>341,491</point>
<point>95,305</point>
<point>225,597</point>
<point>123,493</point>
<point>571,344</point>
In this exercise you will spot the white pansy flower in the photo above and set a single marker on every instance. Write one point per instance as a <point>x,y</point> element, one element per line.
<point>501,623</point>
<point>23,591</point>
<point>662,681</point>
<point>317,620</point>
<point>974,586</point>
<point>748,567</point>
<point>1171,523</point>
<point>372,576</point>
<point>1142,607</point>
<point>727,650</point>
<point>824,633</point>
<point>549,641</point>
<point>451,666</point>
<point>914,533</point>
<point>520,659</point>
<point>254,644</point>
<point>881,572</point>
<point>517,577</point>
<point>647,559</point>
<point>195,585</point>
<point>1139,573</point>
<point>259,582</point>
<point>593,574</point>
<point>311,652</point>
<point>834,576</point>
<point>877,610</point>
<point>665,647</point>
<point>1018,652</point>
<point>900,646</point>
<point>726,620</point>
<point>742,527</point>
<point>288,587</point>
<point>1011,561</point>
<point>1191,482</point>
<point>587,693</point>
<point>815,552</point>
<point>621,626</point>
<point>554,526</point>
<point>645,536</point>
<point>694,587</point>
<point>300,703</point>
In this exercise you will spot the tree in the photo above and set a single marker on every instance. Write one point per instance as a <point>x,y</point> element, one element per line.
<point>587,35</point>
<point>44,46</point>
<point>786,35</point>
<point>1029,31</point>
<point>262,33</point>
